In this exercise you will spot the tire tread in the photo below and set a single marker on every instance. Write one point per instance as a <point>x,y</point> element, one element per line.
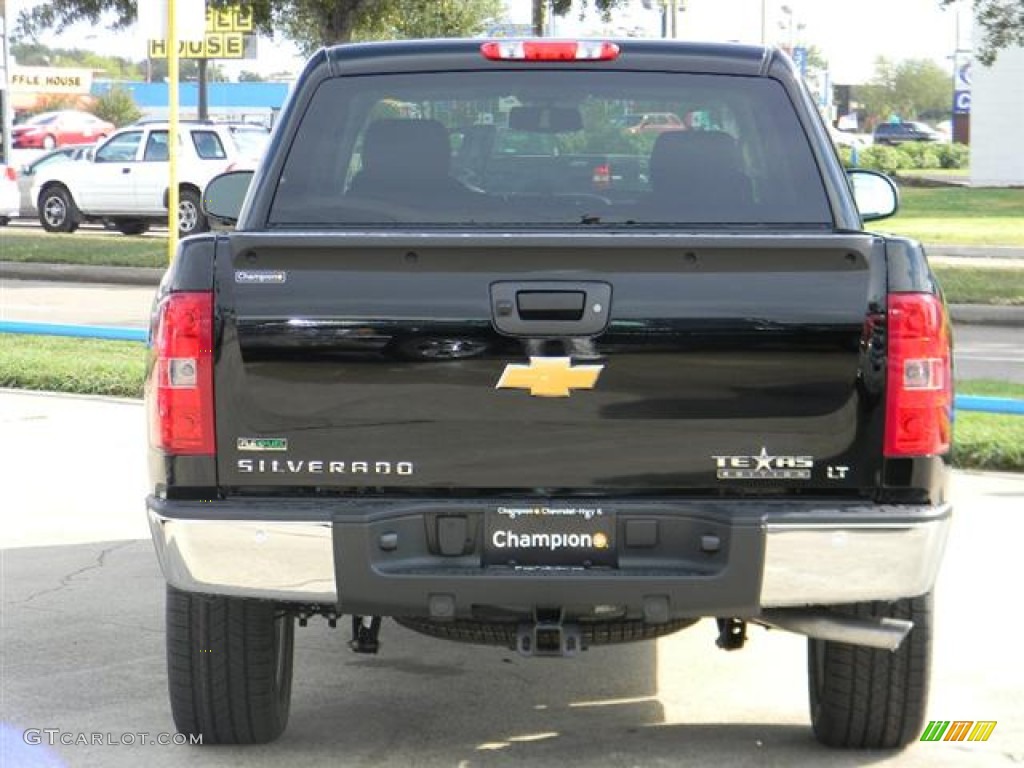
<point>221,666</point>
<point>867,698</point>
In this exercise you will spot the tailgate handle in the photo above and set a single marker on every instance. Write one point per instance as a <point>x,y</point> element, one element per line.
<point>550,308</point>
<point>550,305</point>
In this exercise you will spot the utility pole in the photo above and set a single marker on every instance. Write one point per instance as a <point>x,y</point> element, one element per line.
<point>173,197</point>
<point>172,21</point>
<point>204,101</point>
<point>6,110</point>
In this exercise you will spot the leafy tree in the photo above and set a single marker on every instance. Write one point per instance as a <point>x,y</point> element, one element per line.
<point>912,89</point>
<point>309,23</point>
<point>562,7</point>
<point>36,54</point>
<point>117,106</point>
<point>188,70</point>
<point>441,18</point>
<point>816,58</point>
<point>1001,23</point>
<point>54,102</point>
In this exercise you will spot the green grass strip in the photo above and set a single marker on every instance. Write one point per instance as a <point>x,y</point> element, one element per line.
<point>84,366</point>
<point>959,215</point>
<point>26,245</point>
<point>981,285</point>
<point>989,440</point>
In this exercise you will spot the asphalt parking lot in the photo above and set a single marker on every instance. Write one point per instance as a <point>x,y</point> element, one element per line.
<point>82,645</point>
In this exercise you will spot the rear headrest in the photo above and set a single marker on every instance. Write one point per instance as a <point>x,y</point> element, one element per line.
<point>406,149</point>
<point>681,157</point>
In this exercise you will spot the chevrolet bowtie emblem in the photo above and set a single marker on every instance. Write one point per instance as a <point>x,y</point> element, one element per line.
<point>549,376</point>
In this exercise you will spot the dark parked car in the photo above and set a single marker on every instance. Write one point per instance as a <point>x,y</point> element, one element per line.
<point>900,133</point>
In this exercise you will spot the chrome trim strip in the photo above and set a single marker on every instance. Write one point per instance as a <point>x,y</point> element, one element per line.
<point>826,564</point>
<point>292,561</point>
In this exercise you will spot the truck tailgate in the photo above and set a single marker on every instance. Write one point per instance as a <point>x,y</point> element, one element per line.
<point>661,363</point>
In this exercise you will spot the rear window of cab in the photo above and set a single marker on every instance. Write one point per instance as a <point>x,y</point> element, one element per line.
<point>549,146</point>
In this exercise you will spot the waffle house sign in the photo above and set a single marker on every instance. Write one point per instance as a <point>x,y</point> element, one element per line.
<point>227,30</point>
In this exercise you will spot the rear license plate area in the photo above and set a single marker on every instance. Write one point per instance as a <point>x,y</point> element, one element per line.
<point>553,536</point>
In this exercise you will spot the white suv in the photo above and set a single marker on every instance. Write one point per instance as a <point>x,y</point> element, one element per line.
<point>125,183</point>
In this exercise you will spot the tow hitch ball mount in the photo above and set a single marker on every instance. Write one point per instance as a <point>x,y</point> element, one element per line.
<point>548,635</point>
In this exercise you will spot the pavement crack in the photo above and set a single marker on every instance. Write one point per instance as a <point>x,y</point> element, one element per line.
<point>68,578</point>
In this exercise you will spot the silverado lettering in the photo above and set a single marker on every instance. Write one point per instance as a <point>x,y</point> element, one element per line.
<point>331,467</point>
<point>719,396</point>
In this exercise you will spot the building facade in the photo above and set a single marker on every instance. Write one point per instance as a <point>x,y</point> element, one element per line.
<point>997,120</point>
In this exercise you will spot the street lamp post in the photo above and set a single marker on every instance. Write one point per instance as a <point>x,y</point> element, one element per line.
<point>791,27</point>
<point>6,110</point>
<point>669,18</point>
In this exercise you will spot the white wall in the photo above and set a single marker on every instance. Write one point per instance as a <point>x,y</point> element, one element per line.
<point>997,121</point>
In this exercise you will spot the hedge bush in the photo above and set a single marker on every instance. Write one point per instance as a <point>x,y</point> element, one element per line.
<point>118,107</point>
<point>879,157</point>
<point>909,156</point>
<point>954,155</point>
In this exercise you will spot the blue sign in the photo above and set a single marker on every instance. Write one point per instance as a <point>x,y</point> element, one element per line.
<point>963,76</point>
<point>962,102</point>
<point>800,59</point>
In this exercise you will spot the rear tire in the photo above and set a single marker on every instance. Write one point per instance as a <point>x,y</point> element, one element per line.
<point>49,142</point>
<point>867,698</point>
<point>57,211</point>
<point>191,220</point>
<point>229,667</point>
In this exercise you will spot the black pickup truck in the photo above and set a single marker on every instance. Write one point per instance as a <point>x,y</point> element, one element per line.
<point>549,419</point>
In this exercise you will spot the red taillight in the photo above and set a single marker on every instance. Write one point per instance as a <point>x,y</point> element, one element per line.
<point>602,178</point>
<point>10,173</point>
<point>549,50</point>
<point>181,395</point>
<point>919,389</point>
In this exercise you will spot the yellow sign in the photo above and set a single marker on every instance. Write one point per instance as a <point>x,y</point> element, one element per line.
<point>549,376</point>
<point>225,36</point>
<point>50,80</point>
<point>233,18</point>
<point>216,45</point>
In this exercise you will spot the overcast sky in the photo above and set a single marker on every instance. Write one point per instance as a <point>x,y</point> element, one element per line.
<point>852,33</point>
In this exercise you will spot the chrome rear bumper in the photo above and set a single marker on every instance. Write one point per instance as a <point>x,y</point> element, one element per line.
<point>289,561</point>
<point>822,563</point>
<point>830,563</point>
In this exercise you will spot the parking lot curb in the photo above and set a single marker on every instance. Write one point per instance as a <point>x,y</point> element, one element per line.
<point>987,314</point>
<point>975,251</point>
<point>80,273</point>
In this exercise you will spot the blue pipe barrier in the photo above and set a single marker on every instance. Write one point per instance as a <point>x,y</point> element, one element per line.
<point>961,402</point>
<point>989,404</point>
<point>111,333</point>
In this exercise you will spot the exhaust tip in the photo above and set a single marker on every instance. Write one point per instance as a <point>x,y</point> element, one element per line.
<point>883,633</point>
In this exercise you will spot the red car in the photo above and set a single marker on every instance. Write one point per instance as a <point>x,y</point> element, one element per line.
<point>53,129</point>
